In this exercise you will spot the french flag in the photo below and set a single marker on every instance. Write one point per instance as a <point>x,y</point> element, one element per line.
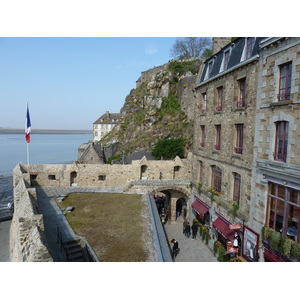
<point>27,126</point>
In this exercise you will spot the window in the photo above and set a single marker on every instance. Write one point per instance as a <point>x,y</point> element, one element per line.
<point>239,138</point>
<point>51,177</point>
<point>285,82</point>
<point>201,166</point>
<point>236,187</point>
<point>225,60</point>
<point>202,142</point>
<point>33,177</point>
<point>281,140</point>
<point>216,178</point>
<point>218,137</point>
<point>284,210</point>
<point>249,46</point>
<point>209,69</point>
<point>102,177</point>
<point>210,66</point>
<point>220,98</point>
<point>203,103</point>
<point>242,92</point>
<point>176,172</point>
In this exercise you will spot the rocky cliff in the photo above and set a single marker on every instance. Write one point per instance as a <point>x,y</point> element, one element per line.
<point>161,106</point>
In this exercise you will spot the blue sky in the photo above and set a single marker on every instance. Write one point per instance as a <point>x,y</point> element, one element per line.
<point>69,82</point>
<point>73,60</point>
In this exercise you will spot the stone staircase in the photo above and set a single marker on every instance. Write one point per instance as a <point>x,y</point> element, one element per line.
<point>74,251</point>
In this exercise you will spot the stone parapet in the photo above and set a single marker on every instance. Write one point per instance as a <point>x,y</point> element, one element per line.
<point>27,242</point>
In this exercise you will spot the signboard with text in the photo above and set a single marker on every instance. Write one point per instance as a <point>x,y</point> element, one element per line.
<point>235,226</point>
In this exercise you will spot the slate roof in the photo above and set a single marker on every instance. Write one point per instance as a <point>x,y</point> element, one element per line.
<point>109,118</point>
<point>237,47</point>
<point>138,155</point>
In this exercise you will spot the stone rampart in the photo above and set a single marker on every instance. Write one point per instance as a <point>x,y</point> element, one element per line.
<point>27,242</point>
<point>105,175</point>
<point>27,230</point>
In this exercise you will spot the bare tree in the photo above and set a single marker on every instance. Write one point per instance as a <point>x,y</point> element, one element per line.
<point>190,47</point>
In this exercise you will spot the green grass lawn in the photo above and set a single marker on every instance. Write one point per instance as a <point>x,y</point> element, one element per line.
<point>114,224</point>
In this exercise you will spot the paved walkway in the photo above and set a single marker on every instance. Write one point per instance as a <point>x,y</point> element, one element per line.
<point>4,241</point>
<point>190,250</point>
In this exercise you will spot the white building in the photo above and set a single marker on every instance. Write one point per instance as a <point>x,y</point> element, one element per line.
<point>104,125</point>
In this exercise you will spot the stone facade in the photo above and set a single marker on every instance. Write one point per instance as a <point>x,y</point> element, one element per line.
<point>269,170</point>
<point>208,153</point>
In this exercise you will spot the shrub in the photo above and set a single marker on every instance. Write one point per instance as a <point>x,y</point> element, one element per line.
<point>169,148</point>
<point>183,67</point>
<point>285,246</point>
<point>222,252</point>
<point>295,250</point>
<point>275,240</point>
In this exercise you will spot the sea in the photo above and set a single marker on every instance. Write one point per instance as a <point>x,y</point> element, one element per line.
<point>42,149</point>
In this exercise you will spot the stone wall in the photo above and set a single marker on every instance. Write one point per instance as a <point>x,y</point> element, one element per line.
<point>27,242</point>
<point>225,158</point>
<point>274,53</point>
<point>105,175</point>
<point>187,96</point>
<point>150,74</point>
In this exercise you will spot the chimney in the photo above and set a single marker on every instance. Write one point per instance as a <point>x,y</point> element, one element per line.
<point>218,43</point>
<point>107,115</point>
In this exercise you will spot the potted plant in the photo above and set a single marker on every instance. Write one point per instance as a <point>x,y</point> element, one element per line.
<point>222,252</point>
<point>217,244</point>
<point>266,232</point>
<point>233,207</point>
<point>199,187</point>
<point>275,240</point>
<point>295,250</point>
<point>285,246</point>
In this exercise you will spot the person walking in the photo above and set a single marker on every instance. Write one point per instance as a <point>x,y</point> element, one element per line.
<point>187,230</point>
<point>184,225</point>
<point>175,249</point>
<point>194,230</point>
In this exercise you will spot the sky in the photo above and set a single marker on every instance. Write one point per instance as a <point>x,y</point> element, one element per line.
<point>72,60</point>
<point>69,82</point>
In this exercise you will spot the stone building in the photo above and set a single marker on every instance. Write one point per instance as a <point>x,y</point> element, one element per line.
<point>224,132</point>
<point>276,173</point>
<point>91,153</point>
<point>104,125</point>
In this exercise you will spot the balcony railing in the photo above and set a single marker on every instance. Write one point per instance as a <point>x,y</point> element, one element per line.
<point>240,104</point>
<point>238,150</point>
<point>284,97</point>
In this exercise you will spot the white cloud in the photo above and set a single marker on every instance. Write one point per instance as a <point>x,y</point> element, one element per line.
<point>151,50</point>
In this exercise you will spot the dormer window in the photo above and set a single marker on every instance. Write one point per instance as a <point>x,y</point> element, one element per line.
<point>225,61</point>
<point>209,69</point>
<point>248,48</point>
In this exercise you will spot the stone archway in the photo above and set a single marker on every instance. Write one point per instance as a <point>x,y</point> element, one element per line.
<point>173,194</point>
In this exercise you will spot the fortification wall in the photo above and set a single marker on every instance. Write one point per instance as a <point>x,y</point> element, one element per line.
<point>27,242</point>
<point>104,175</point>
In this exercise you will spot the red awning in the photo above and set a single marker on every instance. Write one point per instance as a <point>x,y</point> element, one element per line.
<point>223,228</point>
<point>200,208</point>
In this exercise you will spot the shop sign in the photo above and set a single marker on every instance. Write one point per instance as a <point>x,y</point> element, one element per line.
<point>235,226</point>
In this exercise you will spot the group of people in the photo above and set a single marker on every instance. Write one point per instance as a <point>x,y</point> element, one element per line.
<point>187,229</point>
<point>162,208</point>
